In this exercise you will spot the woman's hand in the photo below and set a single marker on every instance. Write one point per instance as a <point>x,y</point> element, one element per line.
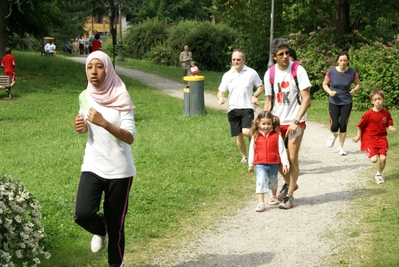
<point>332,93</point>
<point>96,118</point>
<point>80,125</point>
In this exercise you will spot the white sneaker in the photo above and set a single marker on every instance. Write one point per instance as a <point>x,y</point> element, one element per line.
<point>378,179</point>
<point>98,243</point>
<point>341,152</point>
<point>331,141</point>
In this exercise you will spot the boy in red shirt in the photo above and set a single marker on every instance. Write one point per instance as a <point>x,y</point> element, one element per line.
<point>8,63</point>
<point>371,130</point>
<point>96,43</point>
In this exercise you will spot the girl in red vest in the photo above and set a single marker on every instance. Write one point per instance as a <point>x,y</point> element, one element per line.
<point>267,152</point>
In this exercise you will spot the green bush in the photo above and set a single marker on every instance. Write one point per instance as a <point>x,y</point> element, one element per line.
<point>209,43</point>
<point>163,54</point>
<point>142,37</point>
<point>377,65</point>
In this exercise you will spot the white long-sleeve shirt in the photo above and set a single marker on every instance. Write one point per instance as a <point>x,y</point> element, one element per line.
<point>105,155</point>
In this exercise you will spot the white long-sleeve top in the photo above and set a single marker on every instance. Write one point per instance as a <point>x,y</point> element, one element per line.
<point>105,155</point>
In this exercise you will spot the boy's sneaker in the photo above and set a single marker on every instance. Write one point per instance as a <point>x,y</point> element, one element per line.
<point>378,179</point>
<point>98,243</point>
<point>287,203</point>
<point>244,160</point>
<point>283,192</point>
<point>274,201</point>
<point>341,152</point>
<point>261,207</point>
<point>331,141</point>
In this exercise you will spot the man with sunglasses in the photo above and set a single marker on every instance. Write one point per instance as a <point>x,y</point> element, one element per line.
<point>292,113</point>
<point>240,81</point>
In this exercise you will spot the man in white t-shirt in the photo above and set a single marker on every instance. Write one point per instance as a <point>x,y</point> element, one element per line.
<point>240,81</point>
<point>50,48</point>
<point>292,114</point>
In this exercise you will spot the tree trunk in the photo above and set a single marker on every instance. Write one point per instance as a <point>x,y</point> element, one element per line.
<point>3,26</point>
<point>342,16</point>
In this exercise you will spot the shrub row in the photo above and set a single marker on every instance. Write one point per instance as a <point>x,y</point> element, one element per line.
<point>161,43</point>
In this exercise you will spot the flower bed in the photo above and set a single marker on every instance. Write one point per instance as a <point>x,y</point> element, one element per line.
<point>21,235</point>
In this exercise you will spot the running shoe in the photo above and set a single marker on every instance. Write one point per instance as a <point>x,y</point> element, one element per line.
<point>244,160</point>
<point>283,192</point>
<point>378,179</point>
<point>98,243</point>
<point>341,152</point>
<point>287,203</point>
<point>331,141</point>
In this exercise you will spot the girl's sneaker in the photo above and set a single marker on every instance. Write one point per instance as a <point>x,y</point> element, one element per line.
<point>274,201</point>
<point>261,207</point>
<point>378,179</point>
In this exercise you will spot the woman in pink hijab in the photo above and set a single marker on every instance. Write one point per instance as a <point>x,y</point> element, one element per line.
<point>106,114</point>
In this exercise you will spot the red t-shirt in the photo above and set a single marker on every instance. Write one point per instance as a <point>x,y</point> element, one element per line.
<point>373,125</point>
<point>7,62</point>
<point>95,45</point>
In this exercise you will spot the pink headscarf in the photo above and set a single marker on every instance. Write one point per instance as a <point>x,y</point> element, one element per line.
<point>112,92</point>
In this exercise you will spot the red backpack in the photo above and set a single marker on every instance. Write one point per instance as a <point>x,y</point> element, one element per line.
<point>294,68</point>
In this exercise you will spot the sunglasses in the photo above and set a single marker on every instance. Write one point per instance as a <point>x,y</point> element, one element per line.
<point>284,52</point>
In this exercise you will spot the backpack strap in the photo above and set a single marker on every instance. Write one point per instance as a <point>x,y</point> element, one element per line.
<point>294,69</point>
<point>272,70</point>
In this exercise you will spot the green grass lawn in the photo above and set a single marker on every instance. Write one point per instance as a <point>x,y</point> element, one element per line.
<point>187,171</point>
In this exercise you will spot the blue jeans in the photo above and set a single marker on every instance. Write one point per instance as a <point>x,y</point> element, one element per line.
<point>266,178</point>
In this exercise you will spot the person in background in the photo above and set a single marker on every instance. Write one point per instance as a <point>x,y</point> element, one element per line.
<point>8,65</point>
<point>67,48</point>
<point>185,58</point>
<point>194,70</point>
<point>337,83</point>
<point>81,45</point>
<point>50,48</point>
<point>293,56</point>
<point>91,38</point>
<point>372,131</point>
<point>106,114</point>
<point>267,152</point>
<point>292,114</point>
<point>240,81</point>
<point>96,43</point>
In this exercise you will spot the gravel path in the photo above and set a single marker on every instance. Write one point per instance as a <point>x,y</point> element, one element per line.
<point>294,237</point>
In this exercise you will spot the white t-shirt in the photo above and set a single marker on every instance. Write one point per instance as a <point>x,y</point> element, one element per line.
<point>49,47</point>
<point>240,87</point>
<point>286,104</point>
<point>105,155</point>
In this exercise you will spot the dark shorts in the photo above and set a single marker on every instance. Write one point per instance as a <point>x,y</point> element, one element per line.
<point>239,119</point>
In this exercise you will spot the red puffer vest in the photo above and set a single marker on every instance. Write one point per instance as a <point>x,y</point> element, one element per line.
<point>266,149</point>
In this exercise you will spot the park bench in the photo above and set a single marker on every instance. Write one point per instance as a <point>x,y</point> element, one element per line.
<point>5,83</point>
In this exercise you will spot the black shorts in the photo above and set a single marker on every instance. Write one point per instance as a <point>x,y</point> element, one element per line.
<point>239,119</point>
